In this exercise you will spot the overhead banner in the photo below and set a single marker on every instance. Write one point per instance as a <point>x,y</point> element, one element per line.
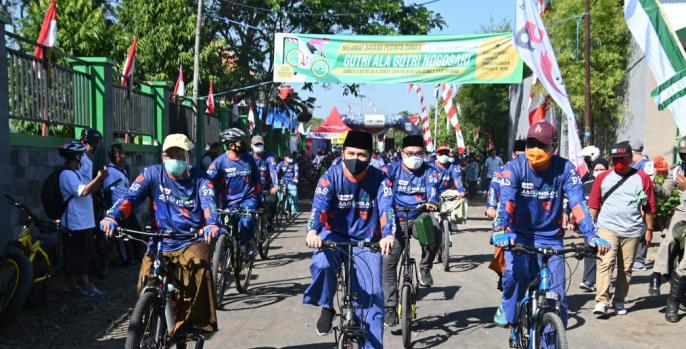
<point>463,59</point>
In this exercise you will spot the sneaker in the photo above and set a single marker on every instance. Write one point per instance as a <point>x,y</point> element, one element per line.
<point>638,266</point>
<point>390,318</point>
<point>425,278</point>
<point>499,317</point>
<point>600,309</point>
<point>92,292</point>
<point>324,324</point>
<point>619,308</point>
<point>588,287</point>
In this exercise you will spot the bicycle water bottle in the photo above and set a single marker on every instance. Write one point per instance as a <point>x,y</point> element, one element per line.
<point>170,306</point>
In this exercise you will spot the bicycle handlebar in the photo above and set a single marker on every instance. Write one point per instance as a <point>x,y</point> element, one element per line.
<point>158,233</point>
<point>241,211</point>
<point>420,208</point>
<point>333,244</point>
<point>580,250</point>
<point>42,223</point>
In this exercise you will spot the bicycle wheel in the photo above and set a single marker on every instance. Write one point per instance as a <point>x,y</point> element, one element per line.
<point>16,278</point>
<point>551,333</point>
<point>445,251</point>
<point>42,275</point>
<point>219,257</point>
<point>243,271</point>
<point>349,342</point>
<point>264,238</point>
<point>406,315</point>
<point>146,323</point>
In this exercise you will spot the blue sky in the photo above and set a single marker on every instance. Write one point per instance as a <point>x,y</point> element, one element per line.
<point>461,16</point>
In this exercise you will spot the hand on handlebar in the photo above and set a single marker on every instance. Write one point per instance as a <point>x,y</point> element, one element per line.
<point>209,232</point>
<point>601,244</point>
<point>491,212</point>
<point>430,206</point>
<point>108,226</point>
<point>386,245</point>
<point>274,190</point>
<point>501,239</point>
<point>313,240</point>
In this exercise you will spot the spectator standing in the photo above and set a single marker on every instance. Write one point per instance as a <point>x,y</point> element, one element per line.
<point>492,164</point>
<point>377,161</point>
<point>617,200</point>
<point>639,161</point>
<point>211,154</point>
<point>472,176</point>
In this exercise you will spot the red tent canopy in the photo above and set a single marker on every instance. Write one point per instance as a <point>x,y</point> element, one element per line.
<point>332,127</point>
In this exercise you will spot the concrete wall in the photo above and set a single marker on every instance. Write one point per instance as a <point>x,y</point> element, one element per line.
<point>30,166</point>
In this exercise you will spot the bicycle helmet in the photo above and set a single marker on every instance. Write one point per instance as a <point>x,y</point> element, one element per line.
<point>90,135</point>
<point>232,135</point>
<point>71,149</point>
<point>591,151</point>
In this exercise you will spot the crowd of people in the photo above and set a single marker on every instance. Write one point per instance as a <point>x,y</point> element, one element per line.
<point>533,199</point>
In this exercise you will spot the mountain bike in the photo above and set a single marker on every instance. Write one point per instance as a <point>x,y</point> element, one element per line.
<point>229,258</point>
<point>407,283</point>
<point>284,210</point>
<point>16,278</point>
<point>538,323</point>
<point>264,234</point>
<point>40,253</point>
<point>155,311</point>
<point>350,332</point>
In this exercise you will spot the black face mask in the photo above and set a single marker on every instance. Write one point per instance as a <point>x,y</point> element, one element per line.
<point>355,166</point>
<point>239,149</point>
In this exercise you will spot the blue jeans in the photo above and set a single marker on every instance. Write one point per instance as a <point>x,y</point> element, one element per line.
<point>292,196</point>
<point>246,224</point>
<point>366,285</point>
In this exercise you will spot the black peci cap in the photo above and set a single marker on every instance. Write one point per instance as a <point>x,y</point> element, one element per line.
<point>359,139</point>
<point>413,141</point>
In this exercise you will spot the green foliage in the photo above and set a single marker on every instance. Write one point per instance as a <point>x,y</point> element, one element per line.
<point>609,55</point>
<point>666,206</point>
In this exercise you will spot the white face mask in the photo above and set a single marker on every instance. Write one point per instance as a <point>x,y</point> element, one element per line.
<point>596,173</point>
<point>288,161</point>
<point>413,162</point>
<point>258,148</point>
<point>443,159</point>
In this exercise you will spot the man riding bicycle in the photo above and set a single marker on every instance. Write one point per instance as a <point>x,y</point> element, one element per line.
<point>532,188</point>
<point>414,183</point>
<point>352,203</point>
<point>288,176</point>
<point>450,173</point>
<point>266,164</point>
<point>236,173</point>
<point>182,199</point>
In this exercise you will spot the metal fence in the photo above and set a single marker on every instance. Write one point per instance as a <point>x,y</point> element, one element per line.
<point>133,111</point>
<point>44,91</point>
<point>181,120</point>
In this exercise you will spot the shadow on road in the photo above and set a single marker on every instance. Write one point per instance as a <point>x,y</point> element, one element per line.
<point>303,346</point>
<point>262,296</point>
<point>467,263</point>
<point>279,260</point>
<point>448,292</point>
<point>452,324</point>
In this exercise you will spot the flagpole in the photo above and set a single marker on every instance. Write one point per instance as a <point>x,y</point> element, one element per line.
<point>196,62</point>
<point>436,113</point>
<point>588,139</point>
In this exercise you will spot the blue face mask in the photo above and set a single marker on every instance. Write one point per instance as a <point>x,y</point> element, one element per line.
<point>175,167</point>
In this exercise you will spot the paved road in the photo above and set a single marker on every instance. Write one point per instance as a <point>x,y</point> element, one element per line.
<point>456,313</point>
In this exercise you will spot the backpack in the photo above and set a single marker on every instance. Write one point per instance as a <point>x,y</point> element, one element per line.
<point>51,195</point>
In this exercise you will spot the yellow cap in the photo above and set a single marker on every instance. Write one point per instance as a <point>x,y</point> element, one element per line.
<point>178,140</point>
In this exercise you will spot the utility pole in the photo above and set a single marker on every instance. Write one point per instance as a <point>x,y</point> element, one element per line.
<point>196,62</point>
<point>588,127</point>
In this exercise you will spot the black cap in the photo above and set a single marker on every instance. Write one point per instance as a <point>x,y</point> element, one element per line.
<point>600,161</point>
<point>413,141</point>
<point>621,149</point>
<point>359,139</point>
<point>519,145</point>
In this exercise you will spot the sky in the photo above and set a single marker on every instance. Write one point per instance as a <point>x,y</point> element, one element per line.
<point>461,17</point>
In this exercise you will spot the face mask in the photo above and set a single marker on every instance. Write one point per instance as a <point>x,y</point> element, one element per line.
<point>451,160</point>
<point>355,166</point>
<point>538,158</point>
<point>175,167</point>
<point>621,166</point>
<point>413,162</point>
<point>444,159</point>
<point>258,148</point>
<point>597,173</point>
<point>288,161</point>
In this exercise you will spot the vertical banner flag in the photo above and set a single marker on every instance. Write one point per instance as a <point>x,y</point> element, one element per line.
<point>210,100</point>
<point>423,118</point>
<point>48,31</point>
<point>533,44</point>
<point>371,104</point>
<point>451,114</point>
<point>537,102</point>
<point>664,55</point>
<point>180,86</point>
<point>129,64</point>
<point>251,119</point>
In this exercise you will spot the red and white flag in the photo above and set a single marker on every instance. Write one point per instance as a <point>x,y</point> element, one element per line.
<point>129,63</point>
<point>424,118</point>
<point>210,100</point>
<point>451,113</point>
<point>251,119</point>
<point>533,45</point>
<point>350,110</point>
<point>371,104</point>
<point>48,31</point>
<point>180,86</point>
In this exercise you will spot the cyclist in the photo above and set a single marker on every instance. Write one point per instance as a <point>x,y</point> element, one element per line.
<point>450,173</point>
<point>212,153</point>
<point>182,198</point>
<point>352,203</point>
<point>78,221</point>
<point>266,164</point>
<point>532,188</point>
<point>413,183</point>
<point>288,174</point>
<point>91,138</point>
<point>236,173</point>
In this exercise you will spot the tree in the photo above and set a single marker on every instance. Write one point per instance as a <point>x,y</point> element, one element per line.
<point>609,56</point>
<point>248,30</point>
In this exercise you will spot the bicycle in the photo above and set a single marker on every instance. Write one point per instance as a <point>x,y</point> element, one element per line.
<point>155,311</point>
<point>263,234</point>
<point>284,212</point>
<point>228,257</point>
<point>37,251</point>
<point>538,313</point>
<point>16,276</point>
<point>350,332</point>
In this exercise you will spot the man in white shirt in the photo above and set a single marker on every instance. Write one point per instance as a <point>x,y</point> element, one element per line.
<point>493,163</point>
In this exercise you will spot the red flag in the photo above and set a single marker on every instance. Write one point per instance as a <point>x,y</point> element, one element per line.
<point>538,113</point>
<point>210,100</point>
<point>180,86</point>
<point>48,30</point>
<point>129,63</point>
